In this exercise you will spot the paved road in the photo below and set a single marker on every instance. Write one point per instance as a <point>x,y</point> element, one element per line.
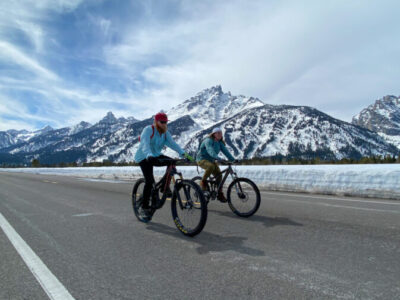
<point>298,246</point>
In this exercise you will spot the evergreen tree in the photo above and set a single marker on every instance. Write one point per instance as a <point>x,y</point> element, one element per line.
<point>35,163</point>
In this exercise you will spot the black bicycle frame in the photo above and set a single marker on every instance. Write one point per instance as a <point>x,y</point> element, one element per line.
<point>166,179</point>
<point>228,171</point>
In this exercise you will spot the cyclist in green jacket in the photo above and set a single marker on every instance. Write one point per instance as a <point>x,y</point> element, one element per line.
<point>207,158</point>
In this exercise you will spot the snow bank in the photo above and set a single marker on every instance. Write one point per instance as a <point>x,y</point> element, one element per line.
<point>380,181</point>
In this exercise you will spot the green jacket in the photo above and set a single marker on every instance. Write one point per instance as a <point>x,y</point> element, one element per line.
<point>210,148</point>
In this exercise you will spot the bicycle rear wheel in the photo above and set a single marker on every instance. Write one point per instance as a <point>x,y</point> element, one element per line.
<point>137,200</point>
<point>189,208</point>
<point>243,197</point>
<point>198,179</point>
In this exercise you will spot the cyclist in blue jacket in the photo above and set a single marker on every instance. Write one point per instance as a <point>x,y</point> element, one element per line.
<point>152,141</point>
<point>207,158</point>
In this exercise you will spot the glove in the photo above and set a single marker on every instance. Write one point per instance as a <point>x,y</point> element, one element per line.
<point>149,157</point>
<point>187,156</point>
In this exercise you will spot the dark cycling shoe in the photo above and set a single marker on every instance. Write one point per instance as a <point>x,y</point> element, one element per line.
<point>146,214</point>
<point>168,193</point>
<point>221,197</point>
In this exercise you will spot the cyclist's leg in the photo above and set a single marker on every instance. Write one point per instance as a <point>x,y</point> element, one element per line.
<point>217,173</point>
<point>218,178</point>
<point>208,166</point>
<point>209,169</point>
<point>147,169</point>
<point>158,162</point>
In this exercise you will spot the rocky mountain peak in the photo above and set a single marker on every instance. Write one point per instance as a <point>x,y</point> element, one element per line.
<point>212,105</point>
<point>214,90</point>
<point>383,117</point>
<point>47,128</point>
<point>79,127</point>
<point>109,119</point>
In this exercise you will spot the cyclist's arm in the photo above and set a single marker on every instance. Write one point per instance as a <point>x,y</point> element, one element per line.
<point>226,152</point>
<point>169,141</point>
<point>210,149</point>
<point>145,140</point>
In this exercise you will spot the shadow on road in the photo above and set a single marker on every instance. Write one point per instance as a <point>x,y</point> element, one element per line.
<point>266,221</point>
<point>209,242</point>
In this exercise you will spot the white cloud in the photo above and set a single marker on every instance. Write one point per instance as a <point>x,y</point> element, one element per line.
<point>282,52</point>
<point>34,33</point>
<point>31,77</point>
<point>336,56</point>
<point>6,124</point>
<point>9,53</point>
<point>27,15</point>
<point>104,25</point>
<point>16,112</point>
<point>45,5</point>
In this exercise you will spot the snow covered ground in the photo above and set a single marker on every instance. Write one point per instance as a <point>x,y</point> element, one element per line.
<point>380,181</point>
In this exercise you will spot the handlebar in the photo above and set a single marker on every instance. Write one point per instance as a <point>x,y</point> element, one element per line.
<point>228,162</point>
<point>174,160</point>
<point>185,160</point>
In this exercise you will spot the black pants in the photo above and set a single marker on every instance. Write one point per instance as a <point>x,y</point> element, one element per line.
<point>147,168</point>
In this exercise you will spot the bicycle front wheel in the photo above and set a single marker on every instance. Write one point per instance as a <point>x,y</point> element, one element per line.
<point>243,197</point>
<point>189,208</point>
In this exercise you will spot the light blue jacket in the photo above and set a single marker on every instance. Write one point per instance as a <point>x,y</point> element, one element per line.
<point>210,148</point>
<point>153,146</point>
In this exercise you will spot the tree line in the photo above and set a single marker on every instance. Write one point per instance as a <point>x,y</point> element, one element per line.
<point>271,160</point>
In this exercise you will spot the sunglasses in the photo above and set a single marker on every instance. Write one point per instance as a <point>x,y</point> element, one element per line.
<point>163,122</point>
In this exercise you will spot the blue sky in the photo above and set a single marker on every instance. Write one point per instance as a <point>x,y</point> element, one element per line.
<point>62,61</point>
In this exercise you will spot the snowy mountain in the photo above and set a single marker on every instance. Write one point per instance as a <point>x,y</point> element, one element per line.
<point>121,145</point>
<point>382,117</point>
<point>47,141</point>
<point>251,129</point>
<point>94,144</point>
<point>212,106</point>
<point>8,138</point>
<point>296,131</point>
<point>79,127</point>
<point>13,137</point>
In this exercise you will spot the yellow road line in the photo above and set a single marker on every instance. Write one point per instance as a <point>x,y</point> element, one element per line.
<point>47,181</point>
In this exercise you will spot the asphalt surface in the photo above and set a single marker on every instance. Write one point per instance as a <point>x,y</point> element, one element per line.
<point>297,246</point>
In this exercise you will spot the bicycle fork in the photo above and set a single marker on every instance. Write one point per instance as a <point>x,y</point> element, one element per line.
<point>186,191</point>
<point>238,187</point>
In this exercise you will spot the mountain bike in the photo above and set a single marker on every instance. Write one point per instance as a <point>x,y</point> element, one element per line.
<point>188,205</point>
<point>243,194</point>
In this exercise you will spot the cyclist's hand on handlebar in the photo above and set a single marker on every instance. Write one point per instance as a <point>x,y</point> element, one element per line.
<point>188,157</point>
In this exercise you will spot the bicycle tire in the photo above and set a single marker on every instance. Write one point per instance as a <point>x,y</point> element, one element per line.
<point>188,205</point>
<point>243,196</point>
<point>137,201</point>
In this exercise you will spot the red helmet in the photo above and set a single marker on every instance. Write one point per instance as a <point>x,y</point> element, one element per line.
<point>161,117</point>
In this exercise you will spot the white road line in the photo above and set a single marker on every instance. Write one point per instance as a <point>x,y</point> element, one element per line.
<point>342,206</point>
<point>333,198</point>
<point>51,285</point>
<point>83,215</point>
